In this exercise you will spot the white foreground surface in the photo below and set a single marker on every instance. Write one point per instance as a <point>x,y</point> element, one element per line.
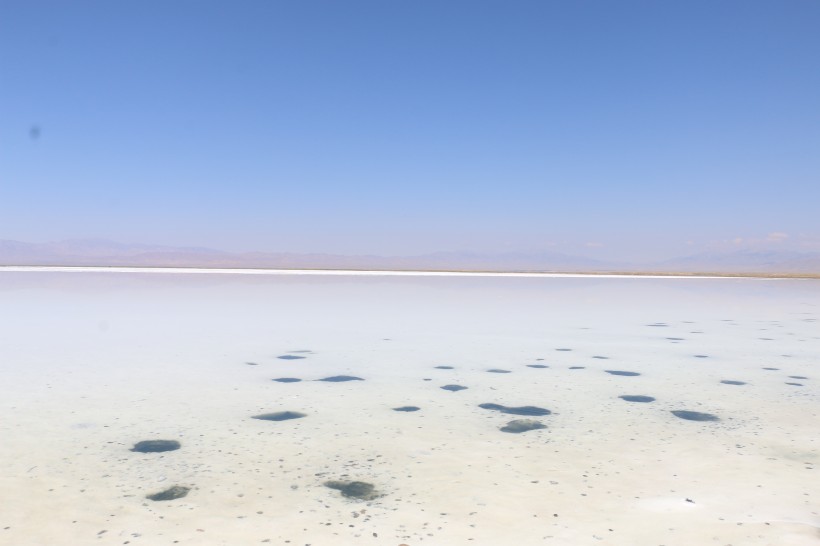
<point>91,363</point>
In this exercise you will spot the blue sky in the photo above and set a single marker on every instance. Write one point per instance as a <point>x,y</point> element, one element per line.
<point>631,130</point>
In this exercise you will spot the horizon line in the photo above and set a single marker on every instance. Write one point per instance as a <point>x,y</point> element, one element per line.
<point>402,272</point>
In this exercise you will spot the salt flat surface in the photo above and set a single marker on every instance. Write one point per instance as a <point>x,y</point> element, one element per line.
<point>92,363</point>
<point>326,272</point>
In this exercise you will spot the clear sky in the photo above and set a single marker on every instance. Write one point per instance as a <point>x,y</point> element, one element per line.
<point>625,129</point>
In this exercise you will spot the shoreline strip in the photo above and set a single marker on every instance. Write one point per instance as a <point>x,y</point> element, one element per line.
<point>386,273</point>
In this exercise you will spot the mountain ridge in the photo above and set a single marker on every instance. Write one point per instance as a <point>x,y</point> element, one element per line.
<point>101,252</point>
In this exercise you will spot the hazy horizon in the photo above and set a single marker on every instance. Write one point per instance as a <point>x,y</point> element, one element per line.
<point>106,253</point>
<point>774,243</point>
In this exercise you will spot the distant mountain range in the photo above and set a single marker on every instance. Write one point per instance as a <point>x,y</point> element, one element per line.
<point>744,261</point>
<point>107,253</point>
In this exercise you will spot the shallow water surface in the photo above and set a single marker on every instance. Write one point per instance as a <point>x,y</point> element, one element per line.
<point>333,448</point>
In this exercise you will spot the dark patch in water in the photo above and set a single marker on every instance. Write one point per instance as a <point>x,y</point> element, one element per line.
<point>444,367</point>
<point>280,416</point>
<point>774,369</point>
<point>287,379</point>
<point>539,366</point>
<point>659,325</point>
<point>155,446</point>
<point>522,425</point>
<point>428,378</point>
<point>618,372</point>
<point>354,490</point>
<point>407,408</point>
<point>577,367</point>
<point>290,357</point>
<point>636,398</point>
<point>701,356</point>
<point>731,382</point>
<point>675,339</point>
<point>695,415</point>
<point>496,370</point>
<point>251,363</point>
<point>563,349</point>
<point>795,384</point>
<point>601,357</point>
<point>303,351</point>
<point>341,378</point>
<point>453,388</point>
<point>798,377</point>
<point>172,493</point>
<point>521,410</point>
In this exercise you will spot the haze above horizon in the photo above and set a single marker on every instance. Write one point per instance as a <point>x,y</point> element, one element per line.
<point>616,131</point>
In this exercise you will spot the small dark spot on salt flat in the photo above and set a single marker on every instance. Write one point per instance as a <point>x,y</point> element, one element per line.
<point>303,351</point>
<point>695,415</point>
<point>601,357</point>
<point>732,382</point>
<point>290,357</point>
<point>636,398</point>
<point>497,370</point>
<point>563,349</point>
<point>155,446</point>
<point>341,378</point>
<point>795,384</point>
<point>539,366</point>
<point>522,425</point>
<point>521,410</point>
<point>701,356</point>
<point>453,388</point>
<point>407,408</point>
<point>172,493</point>
<point>798,377</point>
<point>774,369</point>
<point>577,367</point>
<point>675,339</point>
<point>658,324</point>
<point>444,367</point>
<point>619,372</point>
<point>251,363</point>
<point>287,379</point>
<point>280,416</point>
<point>428,379</point>
<point>354,490</point>
<point>766,339</point>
